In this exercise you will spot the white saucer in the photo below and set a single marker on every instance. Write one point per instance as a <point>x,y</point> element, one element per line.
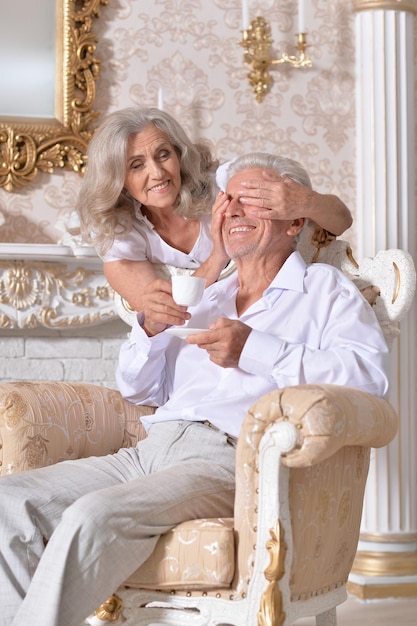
<point>182,333</point>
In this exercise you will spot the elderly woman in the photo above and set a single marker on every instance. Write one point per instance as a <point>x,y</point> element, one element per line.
<point>149,198</point>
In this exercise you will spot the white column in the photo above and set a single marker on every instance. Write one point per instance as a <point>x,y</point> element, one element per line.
<point>386,563</point>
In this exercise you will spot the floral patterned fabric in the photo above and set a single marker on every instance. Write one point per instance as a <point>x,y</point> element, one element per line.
<point>196,554</point>
<point>44,423</point>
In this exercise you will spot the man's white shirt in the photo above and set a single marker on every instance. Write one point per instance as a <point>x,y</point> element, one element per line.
<point>311,325</point>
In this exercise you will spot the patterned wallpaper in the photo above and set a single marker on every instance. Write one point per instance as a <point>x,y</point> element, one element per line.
<point>189,48</point>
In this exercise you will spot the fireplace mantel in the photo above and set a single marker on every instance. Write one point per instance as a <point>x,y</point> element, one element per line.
<point>52,286</point>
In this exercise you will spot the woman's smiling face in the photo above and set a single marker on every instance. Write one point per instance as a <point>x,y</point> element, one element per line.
<point>153,172</point>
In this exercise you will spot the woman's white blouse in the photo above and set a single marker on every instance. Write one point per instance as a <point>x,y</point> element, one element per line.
<point>143,243</point>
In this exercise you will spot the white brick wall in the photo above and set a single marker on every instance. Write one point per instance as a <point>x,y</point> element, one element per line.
<point>76,355</point>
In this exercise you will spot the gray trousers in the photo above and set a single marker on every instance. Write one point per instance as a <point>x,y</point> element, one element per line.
<point>101,518</point>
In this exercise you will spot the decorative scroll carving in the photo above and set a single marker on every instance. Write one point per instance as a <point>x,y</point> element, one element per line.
<point>321,238</point>
<point>109,611</point>
<point>27,147</point>
<point>53,295</point>
<point>270,612</point>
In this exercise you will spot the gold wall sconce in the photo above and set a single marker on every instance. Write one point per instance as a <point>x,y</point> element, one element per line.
<point>256,42</point>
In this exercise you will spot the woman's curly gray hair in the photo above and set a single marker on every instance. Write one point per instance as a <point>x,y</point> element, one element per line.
<point>105,207</point>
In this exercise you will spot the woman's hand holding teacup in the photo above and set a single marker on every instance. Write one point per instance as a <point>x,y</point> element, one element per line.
<point>187,290</point>
<point>159,308</point>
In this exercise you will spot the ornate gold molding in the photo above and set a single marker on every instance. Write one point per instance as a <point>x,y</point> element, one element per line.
<point>369,563</point>
<point>388,537</point>
<point>380,592</point>
<point>28,146</point>
<point>109,611</point>
<point>321,238</point>
<point>270,612</point>
<point>385,5</point>
<point>53,295</point>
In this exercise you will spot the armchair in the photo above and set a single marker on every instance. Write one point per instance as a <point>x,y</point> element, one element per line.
<point>301,469</point>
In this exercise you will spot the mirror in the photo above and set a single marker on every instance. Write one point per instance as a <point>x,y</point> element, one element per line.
<point>27,75</point>
<point>34,143</point>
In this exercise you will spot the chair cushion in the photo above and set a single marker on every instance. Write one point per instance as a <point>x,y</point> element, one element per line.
<point>195,554</point>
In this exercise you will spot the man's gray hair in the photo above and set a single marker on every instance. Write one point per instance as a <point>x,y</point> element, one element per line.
<point>283,166</point>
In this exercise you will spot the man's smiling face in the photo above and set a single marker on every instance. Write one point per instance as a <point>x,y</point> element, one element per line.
<point>243,233</point>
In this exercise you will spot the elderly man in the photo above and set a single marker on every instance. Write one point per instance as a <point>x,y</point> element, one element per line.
<point>274,322</point>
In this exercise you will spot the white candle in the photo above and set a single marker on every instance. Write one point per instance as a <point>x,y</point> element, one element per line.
<point>160,99</point>
<point>301,17</point>
<point>245,15</point>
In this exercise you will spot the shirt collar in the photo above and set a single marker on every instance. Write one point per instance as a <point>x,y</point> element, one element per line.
<point>140,216</point>
<point>291,274</point>
<point>290,277</point>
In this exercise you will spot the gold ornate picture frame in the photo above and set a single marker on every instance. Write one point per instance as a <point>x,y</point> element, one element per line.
<point>28,145</point>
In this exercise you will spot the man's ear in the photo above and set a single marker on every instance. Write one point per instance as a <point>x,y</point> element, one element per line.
<point>295,226</point>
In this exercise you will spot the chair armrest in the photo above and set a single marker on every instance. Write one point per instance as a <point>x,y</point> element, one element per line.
<point>45,422</point>
<point>327,417</point>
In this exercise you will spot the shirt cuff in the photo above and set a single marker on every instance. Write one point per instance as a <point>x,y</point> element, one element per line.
<point>260,353</point>
<point>141,339</point>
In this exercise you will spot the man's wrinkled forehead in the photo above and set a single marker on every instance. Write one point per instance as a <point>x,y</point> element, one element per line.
<point>246,174</point>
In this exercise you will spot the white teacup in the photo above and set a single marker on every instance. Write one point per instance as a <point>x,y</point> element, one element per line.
<point>187,290</point>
